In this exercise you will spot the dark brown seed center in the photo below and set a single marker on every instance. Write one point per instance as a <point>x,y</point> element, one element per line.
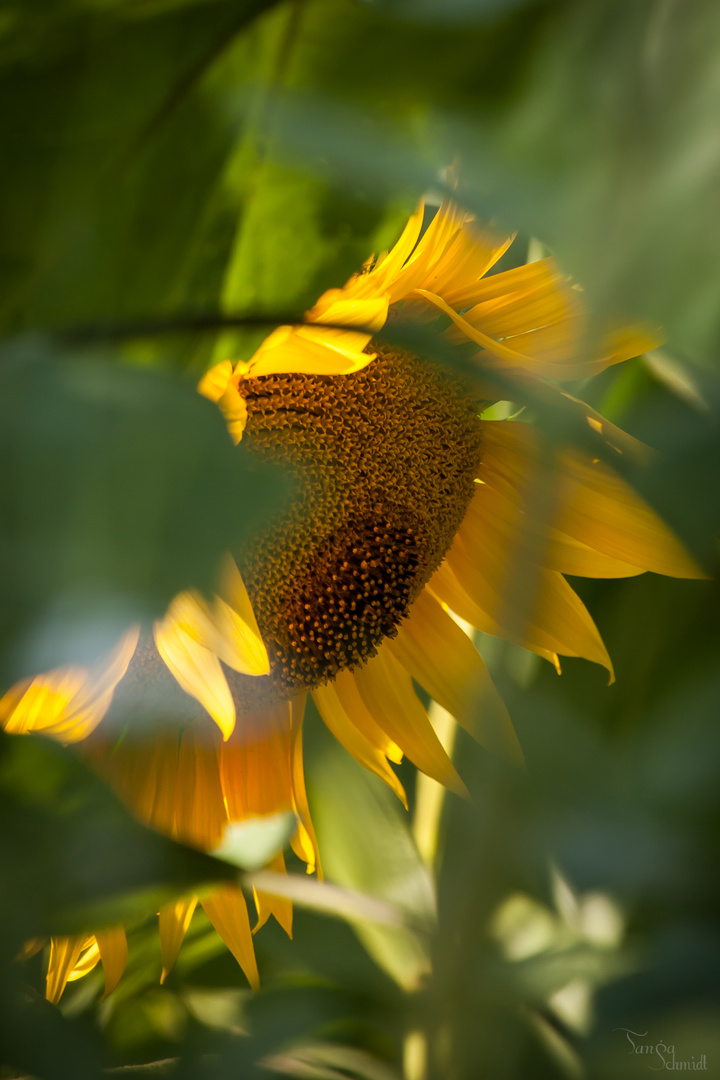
<point>385,459</point>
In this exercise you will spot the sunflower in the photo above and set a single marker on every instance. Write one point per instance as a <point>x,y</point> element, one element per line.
<point>412,515</point>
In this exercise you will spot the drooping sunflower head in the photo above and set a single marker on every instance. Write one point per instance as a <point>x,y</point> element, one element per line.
<point>411,512</point>
<point>386,458</point>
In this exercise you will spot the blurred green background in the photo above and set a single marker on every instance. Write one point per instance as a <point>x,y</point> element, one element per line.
<point>170,163</point>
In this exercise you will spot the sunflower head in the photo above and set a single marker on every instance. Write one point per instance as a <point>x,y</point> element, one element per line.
<point>386,458</point>
<point>413,515</point>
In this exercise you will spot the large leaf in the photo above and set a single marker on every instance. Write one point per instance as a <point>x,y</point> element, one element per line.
<point>108,208</point>
<point>118,487</point>
<point>367,846</point>
<point>73,857</point>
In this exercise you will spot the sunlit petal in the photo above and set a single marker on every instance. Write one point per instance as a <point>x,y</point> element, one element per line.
<point>440,657</point>
<point>227,911</point>
<point>174,920</point>
<point>387,691</point>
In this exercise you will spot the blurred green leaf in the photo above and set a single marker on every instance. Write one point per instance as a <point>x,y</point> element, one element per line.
<point>589,126</point>
<point>367,846</point>
<point>118,488</point>
<point>329,1061</point>
<point>252,844</point>
<point>444,12</point>
<point>73,858</point>
<point>319,235</point>
<point>108,210</point>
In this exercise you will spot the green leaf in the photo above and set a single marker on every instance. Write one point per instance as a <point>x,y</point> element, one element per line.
<point>108,208</point>
<point>118,488</point>
<point>252,844</point>
<point>366,844</point>
<point>74,859</point>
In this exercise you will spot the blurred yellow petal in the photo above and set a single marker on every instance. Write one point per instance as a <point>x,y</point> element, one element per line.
<point>214,382</point>
<point>497,348</point>
<point>447,588</point>
<point>440,657</point>
<point>31,948</point>
<point>592,504</point>
<point>341,725</point>
<point>42,702</point>
<point>198,672</point>
<point>306,839</point>
<point>143,773</point>
<point>387,690</point>
<point>200,813</point>
<point>470,254</point>
<point>227,911</point>
<point>69,702</point>
<point>544,545</point>
<point>227,627</point>
<point>234,409</point>
<point>113,953</point>
<point>88,960</point>
<point>569,556</point>
<point>256,765</point>
<point>174,919</point>
<point>428,251</point>
<point>278,906</point>
<point>64,955</point>
<point>599,509</point>
<point>550,616</point>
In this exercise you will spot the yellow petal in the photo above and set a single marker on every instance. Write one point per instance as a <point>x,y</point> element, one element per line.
<point>380,278</point>
<point>113,953</point>
<point>143,773</point>
<point>429,250</point>
<point>541,316</point>
<point>42,702</point>
<point>174,919</point>
<point>306,847</point>
<point>472,333</point>
<point>200,814</point>
<point>256,765</point>
<point>370,313</point>
<point>376,281</point>
<point>69,702</point>
<point>600,510</point>
<point>31,948</point>
<point>387,691</point>
<point>240,644</point>
<point>446,588</point>
<point>92,701</point>
<point>569,556</point>
<point>198,672</point>
<point>546,546</point>
<point>344,730</point>
<point>311,351</point>
<point>64,955</point>
<point>89,958</point>
<point>227,911</point>
<point>439,656</point>
<point>593,505</point>
<point>358,712</point>
<point>552,616</point>
<point>278,906</point>
<point>234,408</point>
<point>214,382</point>
<point>468,257</point>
